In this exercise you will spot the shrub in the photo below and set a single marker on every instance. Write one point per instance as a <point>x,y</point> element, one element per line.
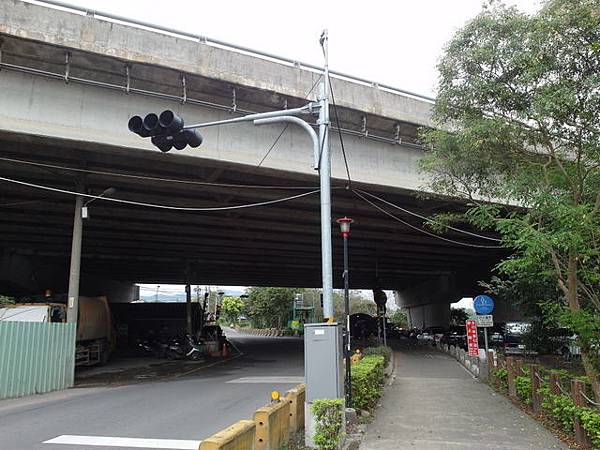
<point>501,376</point>
<point>560,407</point>
<point>524,389</point>
<point>329,416</point>
<point>367,381</point>
<point>380,351</point>
<point>590,420</point>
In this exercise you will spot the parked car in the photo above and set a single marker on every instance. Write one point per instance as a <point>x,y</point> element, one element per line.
<point>455,335</point>
<point>514,343</point>
<point>431,335</point>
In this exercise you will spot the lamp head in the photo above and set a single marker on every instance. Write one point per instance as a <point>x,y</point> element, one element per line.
<point>345,225</point>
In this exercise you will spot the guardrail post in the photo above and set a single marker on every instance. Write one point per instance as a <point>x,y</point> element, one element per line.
<point>581,437</point>
<point>510,376</point>
<point>536,397</point>
<point>296,398</point>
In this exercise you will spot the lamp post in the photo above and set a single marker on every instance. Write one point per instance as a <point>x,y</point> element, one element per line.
<point>345,223</point>
<point>84,209</point>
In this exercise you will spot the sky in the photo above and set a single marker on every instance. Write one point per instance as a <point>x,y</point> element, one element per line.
<point>391,42</point>
<point>397,43</point>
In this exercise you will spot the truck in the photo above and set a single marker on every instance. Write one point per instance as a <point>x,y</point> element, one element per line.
<point>95,339</point>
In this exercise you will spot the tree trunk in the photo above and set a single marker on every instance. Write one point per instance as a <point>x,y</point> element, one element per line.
<point>574,306</point>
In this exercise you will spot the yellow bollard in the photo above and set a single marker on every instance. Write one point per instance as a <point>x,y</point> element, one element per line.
<point>356,357</point>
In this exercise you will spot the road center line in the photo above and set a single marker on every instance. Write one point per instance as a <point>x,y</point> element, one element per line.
<point>107,441</point>
<point>270,380</point>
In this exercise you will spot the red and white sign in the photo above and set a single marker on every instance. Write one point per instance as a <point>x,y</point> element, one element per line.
<point>472,341</point>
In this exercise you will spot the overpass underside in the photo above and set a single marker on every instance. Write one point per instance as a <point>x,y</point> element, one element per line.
<point>271,245</point>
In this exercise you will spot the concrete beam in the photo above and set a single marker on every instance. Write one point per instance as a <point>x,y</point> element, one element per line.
<point>134,44</point>
<point>97,116</point>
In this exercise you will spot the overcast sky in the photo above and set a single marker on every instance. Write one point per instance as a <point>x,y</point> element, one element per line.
<point>391,42</point>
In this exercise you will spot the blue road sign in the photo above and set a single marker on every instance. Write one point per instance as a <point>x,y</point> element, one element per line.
<point>483,304</point>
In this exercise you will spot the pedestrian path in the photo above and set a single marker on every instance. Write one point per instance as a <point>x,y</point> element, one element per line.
<point>433,403</point>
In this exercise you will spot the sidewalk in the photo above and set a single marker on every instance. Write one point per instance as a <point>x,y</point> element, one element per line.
<point>434,404</point>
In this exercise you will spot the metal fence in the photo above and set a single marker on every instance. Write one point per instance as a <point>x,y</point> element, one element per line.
<point>36,357</point>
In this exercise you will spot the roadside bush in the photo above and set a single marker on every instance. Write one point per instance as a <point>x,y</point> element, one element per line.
<point>524,389</point>
<point>367,381</point>
<point>329,416</point>
<point>501,377</point>
<point>560,407</point>
<point>381,350</point>
<point>590,420</point>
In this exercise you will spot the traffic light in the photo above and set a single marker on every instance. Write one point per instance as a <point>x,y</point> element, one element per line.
<point>165,131</point>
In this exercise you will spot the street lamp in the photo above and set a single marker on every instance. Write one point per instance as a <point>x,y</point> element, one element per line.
<point>345,223</point>
<point>84,209</point>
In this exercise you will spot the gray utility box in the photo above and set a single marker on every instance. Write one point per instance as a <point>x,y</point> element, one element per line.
<point>323,361</point>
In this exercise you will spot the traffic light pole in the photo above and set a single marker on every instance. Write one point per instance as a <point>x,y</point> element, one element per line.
<point>168,131</point>
<point>322,162</point>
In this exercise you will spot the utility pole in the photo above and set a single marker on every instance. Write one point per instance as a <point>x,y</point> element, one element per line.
<point>75,268</point>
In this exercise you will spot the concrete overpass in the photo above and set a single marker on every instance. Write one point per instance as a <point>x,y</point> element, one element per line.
<point>72,78</point>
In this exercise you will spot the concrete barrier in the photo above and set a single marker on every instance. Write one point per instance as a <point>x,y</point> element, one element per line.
<point>295,398</point>
<point>272,426</point>
<point>239,436</point>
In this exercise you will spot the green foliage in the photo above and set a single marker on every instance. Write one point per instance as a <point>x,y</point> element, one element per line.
<point>399,319</point>
<point>4,300</point>
<point>524,389</point>
<point>518,109</point>
<point>590,420</point>
<point>458,316</point>
<point>560,407</point>
<point>231,308</point>
<point>269,307</point>
<point>381,350</point>
<point>329,417</point>
<point>501,377</point>
<point>367,381</point>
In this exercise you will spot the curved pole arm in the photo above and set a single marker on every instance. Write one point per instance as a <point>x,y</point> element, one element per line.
<point>300,123</point>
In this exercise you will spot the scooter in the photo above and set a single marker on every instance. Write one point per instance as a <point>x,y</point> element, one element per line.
<point>188,350</point>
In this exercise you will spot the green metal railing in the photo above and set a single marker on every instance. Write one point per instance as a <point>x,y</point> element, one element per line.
<point>36,357</point>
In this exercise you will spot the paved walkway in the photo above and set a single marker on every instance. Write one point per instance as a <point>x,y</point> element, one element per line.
<point>434,404</point>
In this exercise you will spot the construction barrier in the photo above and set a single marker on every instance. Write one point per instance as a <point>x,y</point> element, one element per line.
<point>272,426</point>
<point>295,398</point>
<point>240,436</point>
<point>36,357</point>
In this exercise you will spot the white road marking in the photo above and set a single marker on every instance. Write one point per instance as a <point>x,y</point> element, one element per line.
<point>107,441</point>
<point>271,380</point>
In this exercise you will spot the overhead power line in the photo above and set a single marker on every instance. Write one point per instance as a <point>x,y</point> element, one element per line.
<point>420,230</point>
<point>458,230</point>
<point>149,178</point>
<point>159,206</point>
<point>337,123</point>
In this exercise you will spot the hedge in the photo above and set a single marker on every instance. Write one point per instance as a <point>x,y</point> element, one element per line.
<point>367,381</point>
<point>329,423</point>
<point>382,350</point>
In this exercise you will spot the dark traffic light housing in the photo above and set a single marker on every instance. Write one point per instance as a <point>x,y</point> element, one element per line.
<point>165,131</point>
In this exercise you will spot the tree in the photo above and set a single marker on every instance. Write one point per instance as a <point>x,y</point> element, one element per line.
<point>231,308</point>
<point>399,319</point>
<point>518,110</point>
<point>270,307</point>
<point>4,300</point>
<point>458,316</point>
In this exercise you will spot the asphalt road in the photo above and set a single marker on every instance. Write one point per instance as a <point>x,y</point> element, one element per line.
<point>177,413</point>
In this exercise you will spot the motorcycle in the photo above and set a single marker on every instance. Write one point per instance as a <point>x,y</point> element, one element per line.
<point>185,350</point>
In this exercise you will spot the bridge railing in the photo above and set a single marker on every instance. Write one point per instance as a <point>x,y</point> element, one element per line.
<point>226,45</point>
